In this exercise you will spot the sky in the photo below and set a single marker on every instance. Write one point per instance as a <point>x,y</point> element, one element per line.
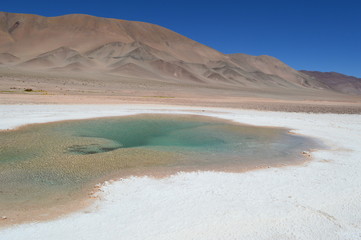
<point>311,35</point>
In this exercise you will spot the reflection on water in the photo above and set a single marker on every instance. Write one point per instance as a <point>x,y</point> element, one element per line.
<point>47,163</point>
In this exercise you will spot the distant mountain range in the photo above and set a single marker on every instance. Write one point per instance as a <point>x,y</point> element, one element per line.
<point>337,81</point>
<point>82,43</point>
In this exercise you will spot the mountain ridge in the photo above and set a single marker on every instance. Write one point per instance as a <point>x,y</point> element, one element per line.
<point>337,81</point>
<point>85,43</point>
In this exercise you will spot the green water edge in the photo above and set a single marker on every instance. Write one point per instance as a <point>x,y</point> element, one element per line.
<point>41,163</point>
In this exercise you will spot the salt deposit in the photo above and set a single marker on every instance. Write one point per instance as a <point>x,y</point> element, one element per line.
<point>320,200</point>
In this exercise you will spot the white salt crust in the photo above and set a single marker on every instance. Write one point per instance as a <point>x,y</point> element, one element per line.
<point>320,200</point>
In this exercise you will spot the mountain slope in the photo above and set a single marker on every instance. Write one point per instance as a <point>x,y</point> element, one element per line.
<point>8,58</point>
<point>270,66</point>
<point>84,32</point>
<point>337,81</point>
<point>84,43</point>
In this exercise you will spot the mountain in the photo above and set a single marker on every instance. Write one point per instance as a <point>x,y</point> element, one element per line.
<point>337,81</point>
<point>8,58</point>
<point>28,35</point>
<point>82,43</point>
<point>265,66</point>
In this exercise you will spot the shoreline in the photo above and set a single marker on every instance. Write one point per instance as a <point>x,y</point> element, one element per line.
<point>43,113</point>
<point>46,113</point>
<point>85,198</point>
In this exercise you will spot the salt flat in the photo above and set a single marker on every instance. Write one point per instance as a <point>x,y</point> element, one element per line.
<point>319,200</point>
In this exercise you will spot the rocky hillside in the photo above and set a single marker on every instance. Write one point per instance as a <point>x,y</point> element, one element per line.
<point>83,43</point>
<point>337,81</point>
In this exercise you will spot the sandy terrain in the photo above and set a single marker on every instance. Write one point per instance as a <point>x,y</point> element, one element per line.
<point>51,88</point>
<point>319,200</point>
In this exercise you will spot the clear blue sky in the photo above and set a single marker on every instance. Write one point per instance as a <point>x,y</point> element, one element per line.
<point>312,35</point>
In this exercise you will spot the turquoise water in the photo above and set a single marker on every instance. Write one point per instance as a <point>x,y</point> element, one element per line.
<point>185,133</point>
<point>48,163</point>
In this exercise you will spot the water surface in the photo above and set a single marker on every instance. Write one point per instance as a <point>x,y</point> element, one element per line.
<point>47,164</point>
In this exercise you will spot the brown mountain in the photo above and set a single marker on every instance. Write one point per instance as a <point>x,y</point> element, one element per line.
<point>8,58</point>
<point>337,81</point>
<point>83,43</point>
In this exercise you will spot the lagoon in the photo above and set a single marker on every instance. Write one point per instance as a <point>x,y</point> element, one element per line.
<point>42,165</point>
